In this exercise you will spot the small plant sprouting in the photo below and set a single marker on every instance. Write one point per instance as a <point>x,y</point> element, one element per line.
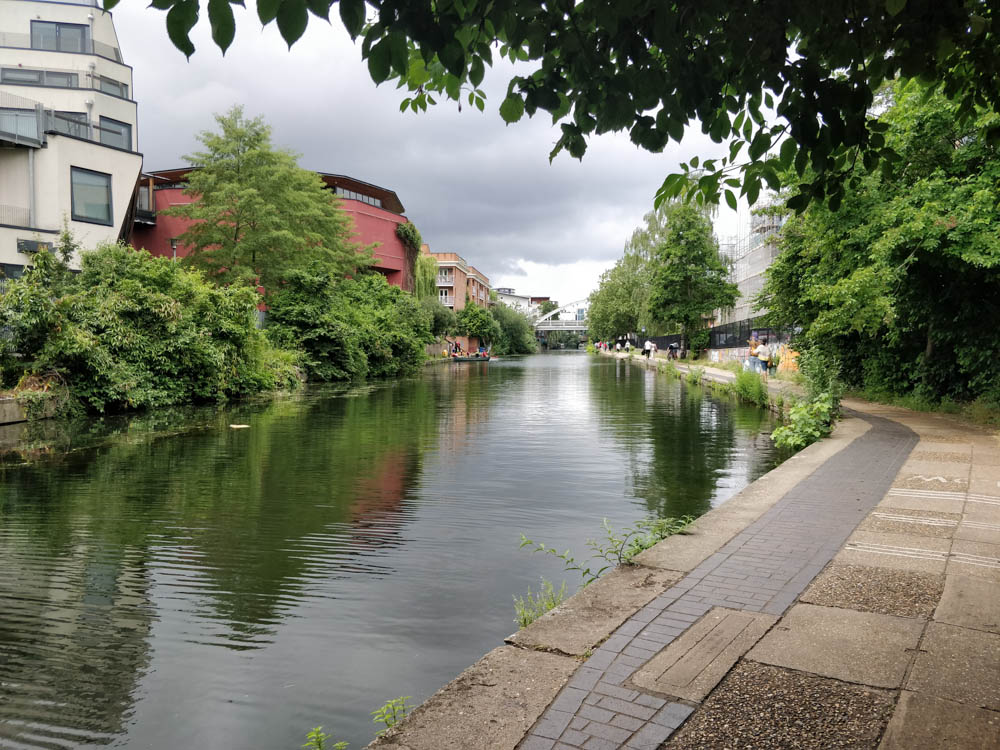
<point>694,375</point>
<point>530,607</point>
<point>317,740</point>
<point>617,548</point>
<point>391,713</point>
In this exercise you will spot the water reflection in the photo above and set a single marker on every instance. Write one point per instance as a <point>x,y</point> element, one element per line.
<point>173,582</point>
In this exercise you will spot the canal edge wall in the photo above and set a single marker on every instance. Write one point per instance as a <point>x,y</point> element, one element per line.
<point>496,701</point>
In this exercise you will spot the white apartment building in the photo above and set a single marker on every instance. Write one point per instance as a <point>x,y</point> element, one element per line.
<point>68,136</point>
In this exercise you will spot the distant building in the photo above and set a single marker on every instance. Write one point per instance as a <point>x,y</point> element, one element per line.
<point>68,129</point>
<point>581,313</point>
<point>375,212</point>
<point>457,280</point>
<point>748,258</point>
<point>519,302</point>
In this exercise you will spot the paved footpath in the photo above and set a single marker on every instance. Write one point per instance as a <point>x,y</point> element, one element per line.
<point>855,604</point>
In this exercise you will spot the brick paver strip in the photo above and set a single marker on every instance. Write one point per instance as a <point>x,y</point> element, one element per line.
<point>762,569</point>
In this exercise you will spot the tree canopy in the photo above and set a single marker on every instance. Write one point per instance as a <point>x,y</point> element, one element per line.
<point>901,284</point>
<point>256,214</point>
<point>650,68</point>
<point>688,280</point>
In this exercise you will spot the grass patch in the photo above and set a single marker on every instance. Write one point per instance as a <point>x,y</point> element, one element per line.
<point>982,411</point>
<point>748,386</point>
<point>530,607</point>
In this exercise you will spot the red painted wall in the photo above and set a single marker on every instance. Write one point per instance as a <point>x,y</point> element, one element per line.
<point>371,225</point>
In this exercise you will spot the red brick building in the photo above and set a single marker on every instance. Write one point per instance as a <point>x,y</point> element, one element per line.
<point>374,211</point>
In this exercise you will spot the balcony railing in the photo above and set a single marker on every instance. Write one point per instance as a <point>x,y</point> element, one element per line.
<point>17,216</point>
<point>446,281</point>
<point>447,301</point>
<point>90,46</point>
<point>25,121</point>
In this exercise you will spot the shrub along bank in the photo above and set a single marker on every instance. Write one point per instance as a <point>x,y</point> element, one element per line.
<point>132,331</point>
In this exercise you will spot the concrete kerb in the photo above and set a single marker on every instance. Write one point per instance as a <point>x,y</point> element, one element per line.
<point>594,704</point>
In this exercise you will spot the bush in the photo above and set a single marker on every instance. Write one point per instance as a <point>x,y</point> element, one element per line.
<point>807,423</point>
<point>133,331</point>
<point>749,387</point>
<point>349,328</point>
<point>694,375</point>
<point>517,336</point>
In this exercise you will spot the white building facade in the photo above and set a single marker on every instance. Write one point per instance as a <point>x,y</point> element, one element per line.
<point>68,129</point>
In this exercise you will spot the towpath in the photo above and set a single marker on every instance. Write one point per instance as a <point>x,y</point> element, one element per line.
<point>849,598</point>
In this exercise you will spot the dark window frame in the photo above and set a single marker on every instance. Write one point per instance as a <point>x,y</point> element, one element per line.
<point>122,88</point>
<point>126,126</point>
<point>60,25</point>
<point>72,198</point>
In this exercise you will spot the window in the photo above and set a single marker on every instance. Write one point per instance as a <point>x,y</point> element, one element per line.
<point>21,75</point>
<point>115,133</point>
<point>111,86</point>
<point>29,77</point>
<point>70,123</point>
<point>59,37</point>
<point>91,196</point>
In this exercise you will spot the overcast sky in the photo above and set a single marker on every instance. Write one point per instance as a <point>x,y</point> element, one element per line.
<point>470,184</point>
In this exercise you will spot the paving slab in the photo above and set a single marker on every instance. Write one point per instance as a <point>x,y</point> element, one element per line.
<point>922,500</point>
<point>588,617</point>
<point>922,722</point>
<point>930,469</point>
<point>970,603</point>
<point>916,522</point>
<point>884,591</point>
<point>859,647</point>
<point>690,667</point>
<point>768,708</point>
<point>490,706</point>
<point>897,551</point>
<point>975,559</point>
<point>980,527</point>
<point>958,664</point>
<point>917,481</point>
<point>943,454</point>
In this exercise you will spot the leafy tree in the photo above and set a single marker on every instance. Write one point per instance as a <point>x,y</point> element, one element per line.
<point>443,320</point>
<point>477,321</point>
<point>651,67</point>
<point>135,331</point>
<point>348,328</point>
<point>900,285</point>
<point>618,305</point>
<point>425,270</point>
<point>516,334</point>
<point>688,279</point>
<point>256,213</point>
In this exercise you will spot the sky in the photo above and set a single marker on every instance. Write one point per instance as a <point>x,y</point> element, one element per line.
<point>471,184</point>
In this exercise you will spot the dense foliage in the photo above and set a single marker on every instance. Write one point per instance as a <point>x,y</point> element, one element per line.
<point>256,214</point>
<point>649,68</point>
<point>516,334</point>
<point>133,331</point>
<point>668,279</point>
<point>477,321</point>
<point>425,271</point>
<point>899,289</point>
<point>349,328</point>
<point>688,280</point>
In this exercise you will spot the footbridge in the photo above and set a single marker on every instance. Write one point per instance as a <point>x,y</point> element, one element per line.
<point>548,323</point>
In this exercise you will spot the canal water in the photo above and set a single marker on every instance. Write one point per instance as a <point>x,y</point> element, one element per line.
<point>172,582</point>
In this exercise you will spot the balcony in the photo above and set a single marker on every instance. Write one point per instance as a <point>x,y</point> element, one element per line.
<point>447,301</point>
<point>446,281</point>
<point>88,47</point>
<point>26,122</point>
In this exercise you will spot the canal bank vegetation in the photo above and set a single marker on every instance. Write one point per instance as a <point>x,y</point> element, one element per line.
<point>616,547</point>
<point>897,286</point>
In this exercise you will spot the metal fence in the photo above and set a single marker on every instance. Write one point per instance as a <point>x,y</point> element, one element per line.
<point>738,333</point>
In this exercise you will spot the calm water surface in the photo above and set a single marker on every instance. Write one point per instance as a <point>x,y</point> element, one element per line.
<point>171,582</point>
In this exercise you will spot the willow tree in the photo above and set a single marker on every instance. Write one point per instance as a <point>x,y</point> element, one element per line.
<point>256,214</point>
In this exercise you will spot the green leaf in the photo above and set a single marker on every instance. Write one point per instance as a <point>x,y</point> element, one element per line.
<point>180,20</point>
<point>512,108</point>
<point>267,10</point>
<point>893,7</point>
<point>378,61</point>
<point>293,16</point>
<point>320,8</point>
<point>731,199</point>
<point>109,4</point>
<point>220,17</point>
<point>787,153</point>
<point>399,52</point>
<point>162,4</point>
<point>759,145</point>
<point>694,162</point>
<point>476,71</point>
<point>352,13</point>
